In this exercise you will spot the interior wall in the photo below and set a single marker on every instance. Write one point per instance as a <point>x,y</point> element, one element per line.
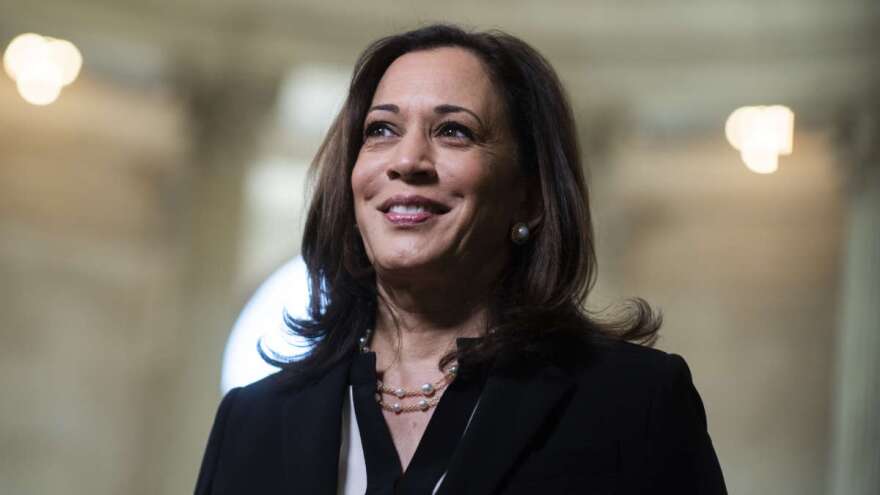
<point>88,285</point>
<point>745,268</point>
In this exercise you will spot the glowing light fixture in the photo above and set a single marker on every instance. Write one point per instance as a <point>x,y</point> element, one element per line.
<point>41,66</point>
<point>761,134</point>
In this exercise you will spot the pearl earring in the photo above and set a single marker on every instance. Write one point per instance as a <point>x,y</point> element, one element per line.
<point>519,234</point>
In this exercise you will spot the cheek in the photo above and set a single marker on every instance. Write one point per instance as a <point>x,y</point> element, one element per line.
<point>362,182</point>
<point>359,188</point>
<point>495,190</point>
<point>358,179</point>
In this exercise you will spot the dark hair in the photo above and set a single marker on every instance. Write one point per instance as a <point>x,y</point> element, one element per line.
<point>544,287</point>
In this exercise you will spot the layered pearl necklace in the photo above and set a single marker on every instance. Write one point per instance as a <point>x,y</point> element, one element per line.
<point>428,393</point>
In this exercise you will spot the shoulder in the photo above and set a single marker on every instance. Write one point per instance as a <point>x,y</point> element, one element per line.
<point>253,411</point>
<point>644,400</point>
<point>244,436</point>
<point>252,408</point>
<point>248,437</point>
<point>265,399</point>
<point>598,362</point>
<point>630,381</point>
<point>631,361</point>
<point>262,393</point>
<point>280,385</point>
<point>623,363</point>
<point>650,397</point>
<point>636,369</point>
<point>269,387</point>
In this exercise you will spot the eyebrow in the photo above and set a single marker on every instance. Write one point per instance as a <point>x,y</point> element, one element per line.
<point>439,109</point>
<point>388,107</point>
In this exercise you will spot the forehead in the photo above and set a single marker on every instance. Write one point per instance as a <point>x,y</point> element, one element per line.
<point>448,75</point>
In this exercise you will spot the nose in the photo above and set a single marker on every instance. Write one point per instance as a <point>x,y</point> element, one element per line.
<point>413,159</point>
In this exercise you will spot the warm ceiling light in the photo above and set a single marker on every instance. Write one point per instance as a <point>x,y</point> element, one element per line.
<point>41,66</point>
<point>761,134</point>
<point>24,47</point>
<point>67,57</point>
<point>38,91</point>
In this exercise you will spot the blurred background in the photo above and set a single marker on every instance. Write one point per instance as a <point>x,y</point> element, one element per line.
<point>143,203</point>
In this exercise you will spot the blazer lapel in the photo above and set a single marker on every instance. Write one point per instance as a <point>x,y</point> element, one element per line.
<point>312,433</point>
<point>510,412</point>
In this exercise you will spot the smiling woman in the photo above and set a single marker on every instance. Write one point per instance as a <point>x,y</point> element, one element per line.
<point>450,252</point>
<point>435,188</point>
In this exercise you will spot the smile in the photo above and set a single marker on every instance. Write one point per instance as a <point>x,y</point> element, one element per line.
<point>404,210</point>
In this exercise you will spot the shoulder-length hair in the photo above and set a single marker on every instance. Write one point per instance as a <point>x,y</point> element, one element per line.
<point>541,292</point>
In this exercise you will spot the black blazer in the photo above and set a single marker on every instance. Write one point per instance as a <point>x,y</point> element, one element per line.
<point>622,419</point>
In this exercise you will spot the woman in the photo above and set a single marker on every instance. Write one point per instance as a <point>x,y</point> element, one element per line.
<point>450,250</point>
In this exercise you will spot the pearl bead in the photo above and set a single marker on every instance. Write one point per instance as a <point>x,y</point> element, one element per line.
<point>400,392</point>
<point>453,369</point>
<point>423,405</point>
<point>396,408</point>
<point>427,389</point>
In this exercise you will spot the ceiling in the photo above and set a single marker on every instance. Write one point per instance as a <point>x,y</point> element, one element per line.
<point>668,65</point>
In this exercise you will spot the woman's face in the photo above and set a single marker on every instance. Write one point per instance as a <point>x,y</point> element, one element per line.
<point>436,184</point>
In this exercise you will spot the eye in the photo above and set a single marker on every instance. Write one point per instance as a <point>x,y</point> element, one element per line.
<point>378,130</point>
<point>454,130</point>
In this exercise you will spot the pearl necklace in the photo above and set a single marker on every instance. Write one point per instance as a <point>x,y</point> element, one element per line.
<point>427,392</point>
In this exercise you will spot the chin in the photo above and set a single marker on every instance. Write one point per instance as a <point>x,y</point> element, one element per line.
<point>414,265</point>
<point>398,263</point>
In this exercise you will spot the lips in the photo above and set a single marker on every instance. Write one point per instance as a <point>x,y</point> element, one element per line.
<point>406,210</point>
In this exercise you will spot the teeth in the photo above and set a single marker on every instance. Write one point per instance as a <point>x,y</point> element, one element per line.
<point>407,209</point>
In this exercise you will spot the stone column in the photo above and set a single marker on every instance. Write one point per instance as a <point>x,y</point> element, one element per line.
<point>855,457</point>
<point>602,129</point>
<point>228,108</point>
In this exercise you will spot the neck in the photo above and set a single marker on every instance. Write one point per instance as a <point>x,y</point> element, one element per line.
<point>417,325</point>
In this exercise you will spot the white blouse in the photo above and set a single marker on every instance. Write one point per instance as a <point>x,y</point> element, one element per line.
<point>352,465</point>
